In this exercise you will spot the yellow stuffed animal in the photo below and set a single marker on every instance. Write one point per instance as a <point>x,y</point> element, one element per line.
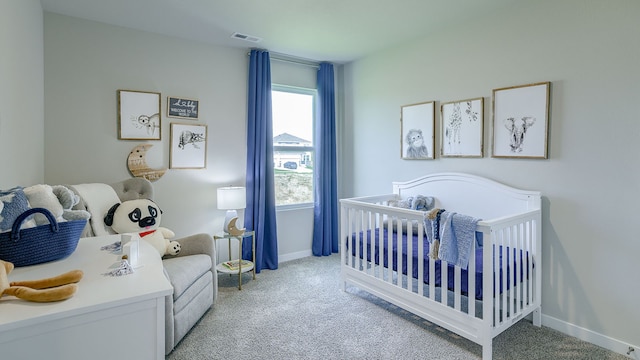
<point>55,288</point>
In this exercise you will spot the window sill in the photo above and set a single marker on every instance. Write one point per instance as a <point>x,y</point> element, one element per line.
<point>292,207</point>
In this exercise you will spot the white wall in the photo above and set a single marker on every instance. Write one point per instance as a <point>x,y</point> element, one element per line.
<point>21,93</point>
<point>590,51</point>
<point>87,62</point>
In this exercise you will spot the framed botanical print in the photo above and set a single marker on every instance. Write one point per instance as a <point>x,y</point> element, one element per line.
<point>521,121</point>
<point>417,128</point>
<point>188,146</point>
<point>461,128</point>
<point>139,115</point>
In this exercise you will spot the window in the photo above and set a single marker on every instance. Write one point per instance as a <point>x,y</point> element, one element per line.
<point>293,150</point>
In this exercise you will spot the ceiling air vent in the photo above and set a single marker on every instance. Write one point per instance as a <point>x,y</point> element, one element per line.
<point>246,37</point>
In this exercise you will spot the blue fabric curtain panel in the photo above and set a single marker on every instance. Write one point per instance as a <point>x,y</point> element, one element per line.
<point>260,214</point>
<point>325,208</point>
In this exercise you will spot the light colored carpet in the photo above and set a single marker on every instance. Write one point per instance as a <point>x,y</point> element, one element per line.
<point>299,312</point>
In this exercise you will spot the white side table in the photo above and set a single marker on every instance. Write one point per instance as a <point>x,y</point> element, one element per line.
<point>222,268</point>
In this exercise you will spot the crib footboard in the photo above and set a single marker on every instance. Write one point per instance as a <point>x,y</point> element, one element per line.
<point>384,251</point>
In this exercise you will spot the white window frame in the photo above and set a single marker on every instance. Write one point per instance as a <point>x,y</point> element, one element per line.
<point>312,149</point>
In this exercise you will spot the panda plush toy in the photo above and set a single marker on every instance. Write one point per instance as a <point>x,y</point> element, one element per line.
<point>142,216</point>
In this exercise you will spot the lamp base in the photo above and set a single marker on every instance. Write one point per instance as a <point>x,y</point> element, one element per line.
<point>230,215</point>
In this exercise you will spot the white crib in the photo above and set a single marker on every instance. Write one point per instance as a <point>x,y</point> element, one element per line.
<point>510,225</point>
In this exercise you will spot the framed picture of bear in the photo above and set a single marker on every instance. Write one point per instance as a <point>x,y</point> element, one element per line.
<point>417,128</point>
<point>462,128</point>
<point>188,146</point>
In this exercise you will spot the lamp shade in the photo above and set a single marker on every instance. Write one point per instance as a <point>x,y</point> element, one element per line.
<point>232,198</point>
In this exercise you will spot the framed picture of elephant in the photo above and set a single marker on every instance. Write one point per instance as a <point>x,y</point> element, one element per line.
<point>188,146</point>
<point>417,129</point>
<point>521,121</point>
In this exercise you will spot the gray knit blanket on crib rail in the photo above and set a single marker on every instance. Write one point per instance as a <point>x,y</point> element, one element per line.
<point>455,235</point>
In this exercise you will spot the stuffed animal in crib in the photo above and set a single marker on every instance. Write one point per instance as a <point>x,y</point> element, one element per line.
<point>142,216</point>
<point>51,289</point>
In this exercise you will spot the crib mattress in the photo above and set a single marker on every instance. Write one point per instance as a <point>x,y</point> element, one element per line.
<point>511,260</point>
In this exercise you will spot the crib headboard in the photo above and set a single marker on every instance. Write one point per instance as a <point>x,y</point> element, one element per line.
<point>470,194</point>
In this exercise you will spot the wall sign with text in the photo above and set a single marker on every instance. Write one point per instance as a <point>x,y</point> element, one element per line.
<point>182,108</point>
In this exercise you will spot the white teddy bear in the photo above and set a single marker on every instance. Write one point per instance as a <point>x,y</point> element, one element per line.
<point>142,216</point>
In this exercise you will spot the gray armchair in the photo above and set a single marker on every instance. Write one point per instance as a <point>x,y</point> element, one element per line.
<point>192,272</point>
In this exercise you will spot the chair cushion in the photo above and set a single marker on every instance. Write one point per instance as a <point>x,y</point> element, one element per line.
<point>183,271</point>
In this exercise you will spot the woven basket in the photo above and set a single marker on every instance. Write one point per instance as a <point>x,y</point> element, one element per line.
<point>40,244</point>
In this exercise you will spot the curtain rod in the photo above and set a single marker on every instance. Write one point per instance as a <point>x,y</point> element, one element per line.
<point>291,60</point>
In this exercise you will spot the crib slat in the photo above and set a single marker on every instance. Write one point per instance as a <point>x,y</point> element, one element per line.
<point>380,223</point>
<point>350,232</point>
<point>409,235</point>
<point>520,275</point>
<point>530,263</point>
<point>504,282</point>
<point>432,278</point>
<point>496,276</point>
<point>471,280</point>
<point>369,244</point>
<point>420,258</point>
<point>389,252</point>
<point>444,282</point>
<point>512,271</point>
<point>399,253</point>
<point>457,287</point>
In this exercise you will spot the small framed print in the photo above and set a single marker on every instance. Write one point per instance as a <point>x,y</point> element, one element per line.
<point>139,115</point>
<point>182,108</point>
<point>521,121</point>
<point>188,146</point>
<point>462,127</point>
<point>417,128</point>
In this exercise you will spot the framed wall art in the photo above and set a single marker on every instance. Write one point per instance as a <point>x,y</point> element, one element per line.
<point>417,128</point>
<point>521,121</point>
<point>182,108</point>
<point>139,115</point>
<point>188,146</point>
<point>462,124</point>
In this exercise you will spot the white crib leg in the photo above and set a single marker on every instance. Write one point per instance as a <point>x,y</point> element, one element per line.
<point>537,317</point>
<point>487,350</point>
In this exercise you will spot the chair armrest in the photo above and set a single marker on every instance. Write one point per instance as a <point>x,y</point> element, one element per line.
<point>199,244</point>
<point>196,244</point>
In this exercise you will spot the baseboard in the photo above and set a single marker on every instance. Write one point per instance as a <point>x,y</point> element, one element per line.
<point>595,338</point>
<point>294,256</point>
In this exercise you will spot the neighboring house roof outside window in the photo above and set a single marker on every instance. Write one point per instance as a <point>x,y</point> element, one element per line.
<point>286,139</point>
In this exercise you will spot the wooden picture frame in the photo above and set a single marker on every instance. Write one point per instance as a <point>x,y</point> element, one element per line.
<point>139,115</point>
<point>417,129</point>
<point>521,121</point>
<point>462,128</point>
<point>188,146</point>
<point>183,108</point>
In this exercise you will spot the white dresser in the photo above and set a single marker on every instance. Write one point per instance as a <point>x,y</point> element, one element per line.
<point>108,318</point>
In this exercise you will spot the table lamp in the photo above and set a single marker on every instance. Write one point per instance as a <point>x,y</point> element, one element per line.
<point>231,198</point>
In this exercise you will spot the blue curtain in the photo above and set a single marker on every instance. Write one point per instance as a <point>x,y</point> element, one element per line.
<point>325,207</point>
<point>260,214</point>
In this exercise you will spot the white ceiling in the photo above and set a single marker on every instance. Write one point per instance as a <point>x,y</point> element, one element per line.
<point>321,30</point>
